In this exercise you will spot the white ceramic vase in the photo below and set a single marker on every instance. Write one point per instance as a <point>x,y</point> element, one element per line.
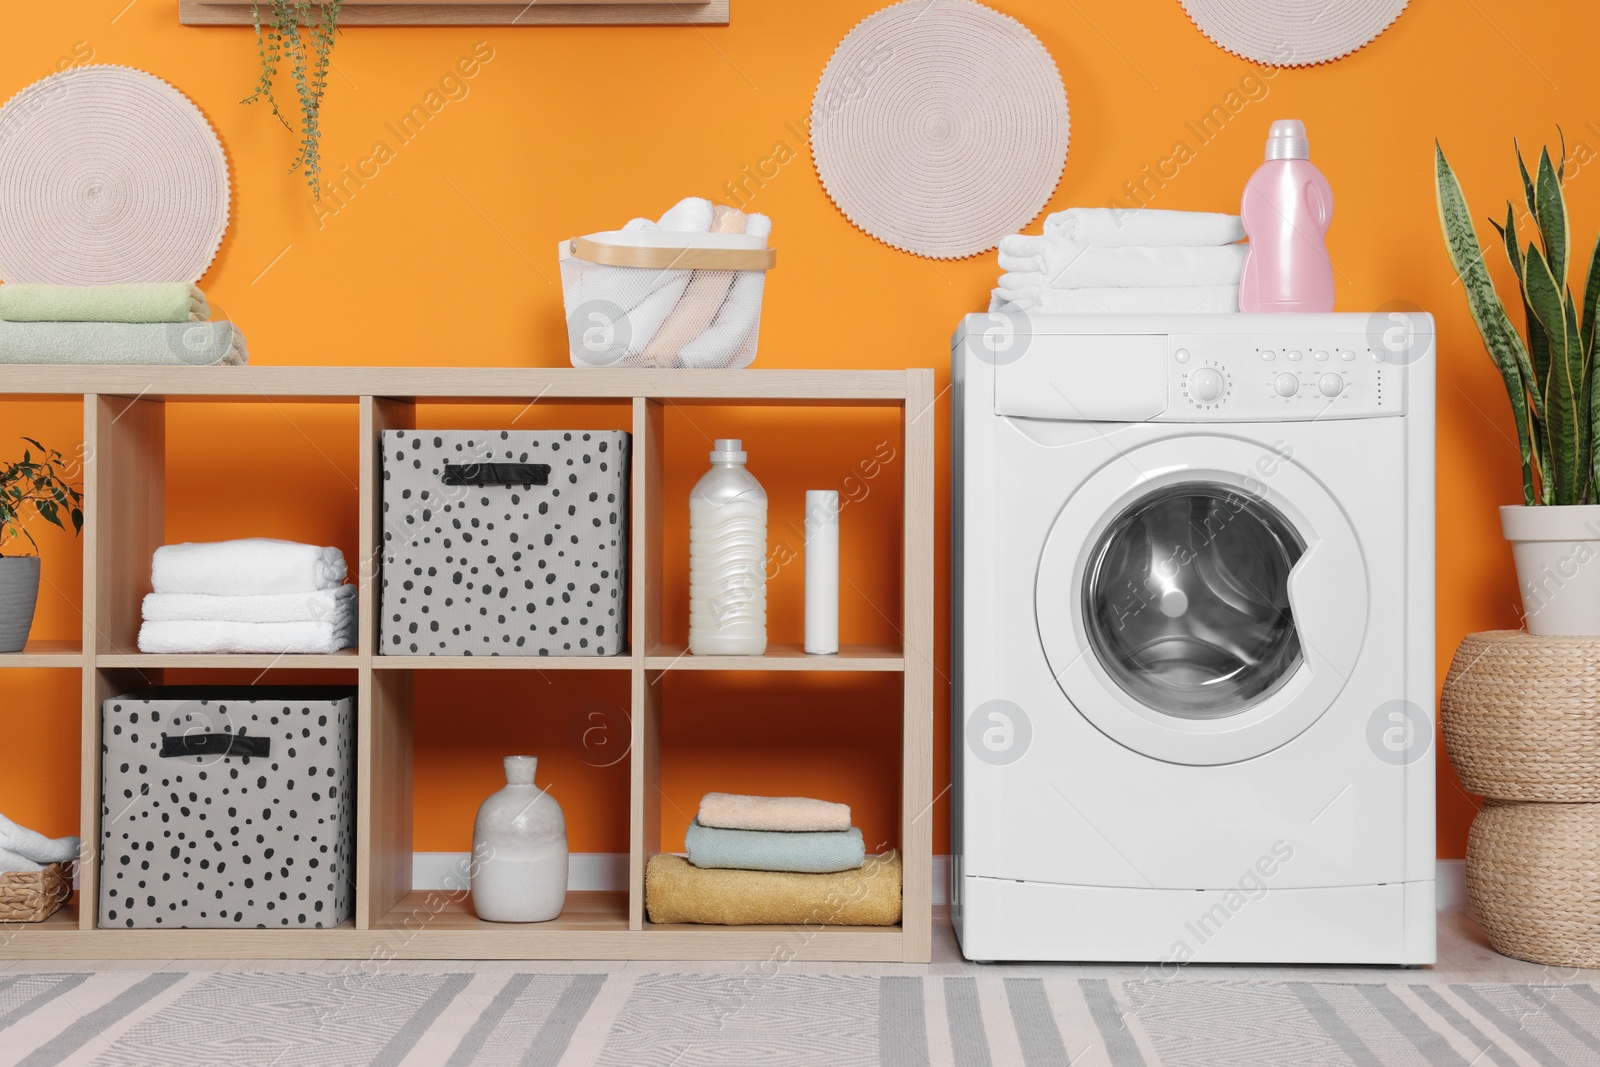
<point>519,851</point>
<point>1557,550</point>
<point>19,595</point>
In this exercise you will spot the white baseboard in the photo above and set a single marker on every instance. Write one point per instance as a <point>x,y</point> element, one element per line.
<point>601,871</point>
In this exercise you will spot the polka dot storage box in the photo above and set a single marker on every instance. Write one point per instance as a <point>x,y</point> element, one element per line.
<point>505,543</point>
<point>225,808</point>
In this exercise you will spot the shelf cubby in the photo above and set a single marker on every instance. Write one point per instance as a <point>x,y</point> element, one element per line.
<point>147,473</point>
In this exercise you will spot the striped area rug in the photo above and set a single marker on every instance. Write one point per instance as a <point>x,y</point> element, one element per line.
<point>397,1019</point>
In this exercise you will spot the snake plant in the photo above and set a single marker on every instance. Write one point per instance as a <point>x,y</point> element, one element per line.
<point>1549,377</point>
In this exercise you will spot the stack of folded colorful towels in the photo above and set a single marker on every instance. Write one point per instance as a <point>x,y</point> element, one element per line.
<point>1110,261</point>
<point>254,595</point>
<point>158,323</point>
<point>773,861</point>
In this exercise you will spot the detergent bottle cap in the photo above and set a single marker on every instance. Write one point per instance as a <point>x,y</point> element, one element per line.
<point>729,450</point>
<point>1287,140</point>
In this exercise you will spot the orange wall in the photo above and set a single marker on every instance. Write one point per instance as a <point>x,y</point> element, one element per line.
<point>447,256</point>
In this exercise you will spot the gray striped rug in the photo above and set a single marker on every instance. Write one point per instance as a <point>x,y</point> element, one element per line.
<point>396,1019</point>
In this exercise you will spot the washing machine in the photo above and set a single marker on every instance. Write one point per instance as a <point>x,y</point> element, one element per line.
<point>1193,664</point>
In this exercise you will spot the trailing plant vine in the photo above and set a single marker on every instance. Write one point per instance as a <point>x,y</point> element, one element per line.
<point>39,486</point>
<point>303,38</point>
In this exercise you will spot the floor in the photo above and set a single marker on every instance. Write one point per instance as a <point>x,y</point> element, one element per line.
<point>1474,1007</point>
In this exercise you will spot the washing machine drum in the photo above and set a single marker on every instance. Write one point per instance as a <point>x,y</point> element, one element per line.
<point>1201,599</point>
<point>1186,600</point>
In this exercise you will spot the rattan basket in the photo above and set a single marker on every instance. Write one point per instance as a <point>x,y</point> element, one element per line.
<point>34,896</point>
<point>1533,874</point>
<point>1521,716</point>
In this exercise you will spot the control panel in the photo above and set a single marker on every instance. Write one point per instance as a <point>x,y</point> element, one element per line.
<point>1315,375</point>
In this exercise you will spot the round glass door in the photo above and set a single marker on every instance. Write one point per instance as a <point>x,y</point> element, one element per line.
<point>1186,600</point>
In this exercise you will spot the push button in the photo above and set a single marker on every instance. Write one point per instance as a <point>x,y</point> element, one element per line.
<point>1267,353</point>
<point>1320,354</point>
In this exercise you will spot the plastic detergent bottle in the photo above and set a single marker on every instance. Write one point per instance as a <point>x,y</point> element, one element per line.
<point>728,558</point>
<point>1286,210</point>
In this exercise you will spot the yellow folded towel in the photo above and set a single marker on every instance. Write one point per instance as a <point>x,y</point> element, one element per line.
<point>675,892</point>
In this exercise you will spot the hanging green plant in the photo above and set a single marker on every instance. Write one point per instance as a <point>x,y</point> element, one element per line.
<point>294,33</point>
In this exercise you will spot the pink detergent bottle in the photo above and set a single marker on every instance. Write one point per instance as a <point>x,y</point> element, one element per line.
<point>1286,210</point>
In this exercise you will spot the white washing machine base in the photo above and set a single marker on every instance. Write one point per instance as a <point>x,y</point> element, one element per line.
<point>1001,919</point>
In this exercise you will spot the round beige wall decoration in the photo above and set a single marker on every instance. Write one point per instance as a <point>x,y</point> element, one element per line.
<point>108,175</point>
<point>1292,33</point>
<point>940,126</point>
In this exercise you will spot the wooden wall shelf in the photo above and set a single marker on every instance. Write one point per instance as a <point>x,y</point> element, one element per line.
<point>125,445</point>
<point>405,13</point>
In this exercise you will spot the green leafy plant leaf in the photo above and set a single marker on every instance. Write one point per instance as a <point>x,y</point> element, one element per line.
<point>37,488</point>
<point>1499,336</point>
<point>1552,218</point>
<point>1563,410</point>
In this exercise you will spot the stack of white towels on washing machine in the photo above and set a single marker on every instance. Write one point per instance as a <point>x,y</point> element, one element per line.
<point>1111,261</point>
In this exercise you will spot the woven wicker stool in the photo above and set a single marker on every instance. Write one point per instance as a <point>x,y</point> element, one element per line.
<point>1521,722</point>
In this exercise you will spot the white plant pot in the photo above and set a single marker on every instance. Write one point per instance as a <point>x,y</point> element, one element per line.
<point>19,596</point>
<point>1557,550</point>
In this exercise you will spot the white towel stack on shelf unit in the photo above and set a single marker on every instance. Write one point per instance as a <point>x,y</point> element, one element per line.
<point>254,595</point>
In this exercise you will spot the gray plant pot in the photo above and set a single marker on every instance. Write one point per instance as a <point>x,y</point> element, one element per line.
<point>19,595</point>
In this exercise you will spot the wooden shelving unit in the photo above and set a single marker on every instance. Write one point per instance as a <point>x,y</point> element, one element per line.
<point>124,435</point>
<point>467,13</point>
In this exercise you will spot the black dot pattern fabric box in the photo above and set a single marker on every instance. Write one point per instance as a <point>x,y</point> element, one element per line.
<point>225,808</point>
<point>505,543</point>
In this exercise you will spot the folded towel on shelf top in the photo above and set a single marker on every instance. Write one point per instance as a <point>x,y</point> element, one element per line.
<point>1054,263</point>
<point>1129,300</point>
<point>153,302</point>
<point>1143,226</point>
<point>678,892</point>
<point>255,566</point>
<point>733,811</point>
<point>816,852</point>
<point>176,344</point>
<point>320,605</point>
<point>294,638</point>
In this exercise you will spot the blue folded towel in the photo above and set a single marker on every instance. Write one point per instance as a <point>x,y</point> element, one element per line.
<point>818,852</point>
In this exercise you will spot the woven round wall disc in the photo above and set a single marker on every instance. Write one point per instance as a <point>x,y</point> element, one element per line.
<point>940,126</point>
<point>108,175</point>
<point>1292,33</point>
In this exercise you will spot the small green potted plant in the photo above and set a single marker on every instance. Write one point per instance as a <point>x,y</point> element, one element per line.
<point>1550,380</point>
<point>34,487</point>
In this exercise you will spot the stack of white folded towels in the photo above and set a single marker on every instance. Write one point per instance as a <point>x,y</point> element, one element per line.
<point>1110,261</point>
<point>255,595</point>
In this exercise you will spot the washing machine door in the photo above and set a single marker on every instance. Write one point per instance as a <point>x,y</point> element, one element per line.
<point>1202,600</point>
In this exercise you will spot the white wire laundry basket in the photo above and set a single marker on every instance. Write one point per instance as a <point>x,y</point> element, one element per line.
<point>664,299</point>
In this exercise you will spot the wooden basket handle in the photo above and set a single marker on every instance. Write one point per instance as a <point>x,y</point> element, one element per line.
<point>674,258</point>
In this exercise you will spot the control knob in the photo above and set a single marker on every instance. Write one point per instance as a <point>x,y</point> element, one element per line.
<point>1206,385</point>
<point>1330,384</point>
<point>1286,385</point>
